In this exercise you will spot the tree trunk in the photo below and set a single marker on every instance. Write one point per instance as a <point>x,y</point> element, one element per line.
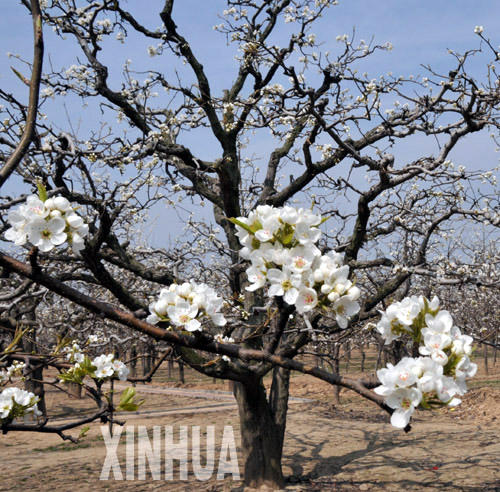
<point>336,370</point>
<point>146,360</point>
<point>170,368</point>
<point>33,371</point>
<point>278,399</point>
<point>133,361</point>
<point>379,356</point>
<point>397,352</point>
<point>34,383</point>
<point>262,425</point>
<point>181,373</point>
<point>495,348</point>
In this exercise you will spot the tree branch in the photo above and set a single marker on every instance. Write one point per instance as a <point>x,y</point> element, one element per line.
<point>36,75</point>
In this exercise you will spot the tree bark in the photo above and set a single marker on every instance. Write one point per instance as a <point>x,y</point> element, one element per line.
<point>495,349</point>
<point>363,358</point>
<point>379,356</point>
<point>146,359</point>
<point>34,383</point>
<point>33,370</point>
<point>170,367</point>
<point>262,425</point>
<point>278,399</point>
<point>133,361</point>
<point>181,373</point>
<point>336,370</point>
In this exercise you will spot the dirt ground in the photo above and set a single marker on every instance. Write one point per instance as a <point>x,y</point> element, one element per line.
<point>347,448</point>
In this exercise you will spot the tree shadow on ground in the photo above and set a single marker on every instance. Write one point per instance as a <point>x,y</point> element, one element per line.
<point>381,458</point>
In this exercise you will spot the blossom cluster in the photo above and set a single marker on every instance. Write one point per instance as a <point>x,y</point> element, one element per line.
<point>183,305</point>
<point>106,366</point>
<point>46,223</point>
<point>15,402</point>
<point>220,338</point>
<point>280,244</point>
<point>74,353</point>
<point>436,377</point>
<point>101,367</point>
<point>16,369</point>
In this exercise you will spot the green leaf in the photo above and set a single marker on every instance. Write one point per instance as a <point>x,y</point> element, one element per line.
<point>83,432</point>
<point>127,395</point>
<point>128,403</point>
<point>241,224</point>
<point>42,192</point>
<point>424,403</point>
<point>19,333</point>
<point>87,366</point>
<point>66,376</point>
<point>21,76</point>
<point>129,407</point>
<point>287,238</point>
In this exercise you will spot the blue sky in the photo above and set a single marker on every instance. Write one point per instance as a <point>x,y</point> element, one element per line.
<point>421,32</point>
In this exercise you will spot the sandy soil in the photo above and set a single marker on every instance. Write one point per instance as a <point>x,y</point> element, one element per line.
<point>351,447</point>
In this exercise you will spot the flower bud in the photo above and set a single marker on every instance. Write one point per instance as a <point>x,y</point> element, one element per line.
<point>354,293</point>
<point>333,296</point>
<point>61,203</point>
<point>318,276</point>
<point>326,289</point>
<point>340,288</point>
<point>184,290</point>
<point>161,307</point>
<point>457,347</point>
<point>74,220</point>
